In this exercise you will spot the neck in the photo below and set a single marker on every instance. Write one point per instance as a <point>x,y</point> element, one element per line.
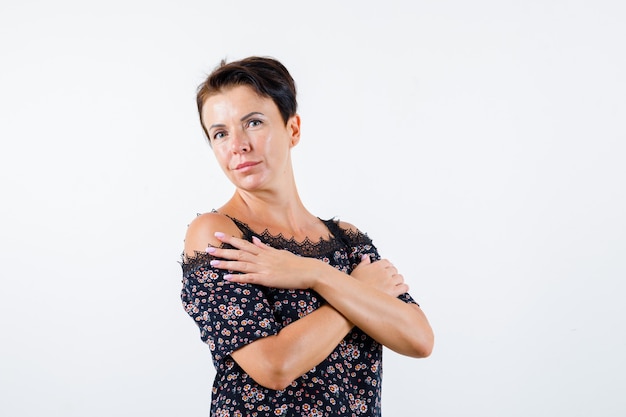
<point>276,211</point>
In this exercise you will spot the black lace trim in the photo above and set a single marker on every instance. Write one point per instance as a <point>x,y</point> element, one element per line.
<point>339,238</point>
<point>191,263</point>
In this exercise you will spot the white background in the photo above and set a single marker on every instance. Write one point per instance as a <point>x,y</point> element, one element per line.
<point>481,145</point>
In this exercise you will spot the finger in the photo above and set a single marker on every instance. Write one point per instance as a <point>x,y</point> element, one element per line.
<point>392,269</point>
<point>236,266</point>
<point>237,242</point>
<point>229,254</point>
<point>400,289</point>
<point>398,278</point>
<point>365,259</point>
<point>257,242</point>
<point>241,278</point>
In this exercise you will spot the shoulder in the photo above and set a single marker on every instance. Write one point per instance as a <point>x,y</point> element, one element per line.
<point>201,231</point>
<point>347,227</point>
<point>353,233</point>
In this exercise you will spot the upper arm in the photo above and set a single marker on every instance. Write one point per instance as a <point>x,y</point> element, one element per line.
<point>229,315</point>
<point>201,232</point>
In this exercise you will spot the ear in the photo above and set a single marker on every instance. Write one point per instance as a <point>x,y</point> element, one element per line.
<point>293,127</point>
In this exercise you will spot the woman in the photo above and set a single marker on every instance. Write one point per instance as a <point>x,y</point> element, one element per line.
<point>295,309</point>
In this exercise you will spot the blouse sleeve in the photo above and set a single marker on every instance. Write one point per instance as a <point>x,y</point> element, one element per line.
<point>229,315</point>
<point>361,245</point>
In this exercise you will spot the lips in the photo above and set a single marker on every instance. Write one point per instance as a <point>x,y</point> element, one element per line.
<point>246,165</point>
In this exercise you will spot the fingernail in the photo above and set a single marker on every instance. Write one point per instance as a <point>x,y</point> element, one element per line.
<point>211,249</point>
<point>214,262</point>
<point>228,277</point>
<point>255,239</point>
<point>219,235</point>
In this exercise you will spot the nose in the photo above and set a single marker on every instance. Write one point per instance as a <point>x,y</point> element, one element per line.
<point>240,143</point>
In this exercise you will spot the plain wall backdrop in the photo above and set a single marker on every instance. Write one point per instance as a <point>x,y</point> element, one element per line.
<point>481,145</point>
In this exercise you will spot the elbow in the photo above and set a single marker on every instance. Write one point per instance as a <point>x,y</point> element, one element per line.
<point>274,380</point>
<point>276,375</point>
<point>422,345</point>
<point>422,338</point>
<point>425,349</point>
<point>279,385</point>
<point>427,345</point>
<point>267,364</point>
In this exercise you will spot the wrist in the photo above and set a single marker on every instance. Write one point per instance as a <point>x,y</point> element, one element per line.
<point>322,274</point>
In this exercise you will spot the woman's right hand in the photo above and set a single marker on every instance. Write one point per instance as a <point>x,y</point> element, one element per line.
<point>258,263</point>
<point>382,275</point>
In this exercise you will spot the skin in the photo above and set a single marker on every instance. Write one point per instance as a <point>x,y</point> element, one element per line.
<point>252,145</point>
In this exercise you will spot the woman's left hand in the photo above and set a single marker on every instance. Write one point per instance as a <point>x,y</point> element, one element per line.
<point>260,264</point>
<point>381,275</point>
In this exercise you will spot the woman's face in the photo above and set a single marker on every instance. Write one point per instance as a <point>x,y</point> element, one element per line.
<point>249,138</point>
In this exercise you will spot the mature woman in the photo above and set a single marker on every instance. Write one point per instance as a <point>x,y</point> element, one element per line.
<point>295,309</point>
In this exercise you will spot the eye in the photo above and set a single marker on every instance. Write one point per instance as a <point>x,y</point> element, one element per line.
<point>219,135</point>
<point>254,123</point>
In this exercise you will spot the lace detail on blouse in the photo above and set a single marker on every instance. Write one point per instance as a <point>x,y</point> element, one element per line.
<point>339,238</point>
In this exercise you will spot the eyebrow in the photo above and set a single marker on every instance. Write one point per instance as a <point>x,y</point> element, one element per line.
<point>247,116</point>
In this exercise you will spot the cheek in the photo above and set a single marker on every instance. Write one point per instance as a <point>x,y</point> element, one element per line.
<point>274,144</point>
<point>220,154</point>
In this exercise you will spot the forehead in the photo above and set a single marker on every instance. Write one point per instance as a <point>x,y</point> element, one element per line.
<point>234,102</point>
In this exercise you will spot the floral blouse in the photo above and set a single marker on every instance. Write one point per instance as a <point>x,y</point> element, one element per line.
<point>231,315</point>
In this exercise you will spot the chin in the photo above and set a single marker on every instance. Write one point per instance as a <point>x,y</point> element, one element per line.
<point>249,185</point>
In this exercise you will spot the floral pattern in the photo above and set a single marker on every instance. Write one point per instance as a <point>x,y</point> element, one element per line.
<point>231,315</point>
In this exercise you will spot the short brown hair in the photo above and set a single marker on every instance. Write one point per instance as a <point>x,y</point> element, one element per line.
<point>267,76</point>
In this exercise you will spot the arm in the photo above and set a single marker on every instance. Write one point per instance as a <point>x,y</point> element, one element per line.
<point>400,326</point>
<point>276,360</point>
<point>368,297</point>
